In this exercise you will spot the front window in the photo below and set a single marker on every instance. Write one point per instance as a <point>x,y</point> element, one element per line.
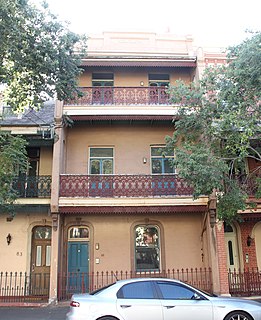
<point>161,160</point>
<point>147,248</point>
<point>101,160</point>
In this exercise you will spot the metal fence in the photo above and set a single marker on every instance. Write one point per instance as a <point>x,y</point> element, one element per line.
<point>244,282</point>
<point>70,283</point>
<point>24,287</point>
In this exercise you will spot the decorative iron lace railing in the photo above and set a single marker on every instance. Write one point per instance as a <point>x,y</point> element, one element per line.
<point>24,287</point>
<point>123,186</point>
<point>121,96</point>
<point>33,187</point>
<point>69,283</point>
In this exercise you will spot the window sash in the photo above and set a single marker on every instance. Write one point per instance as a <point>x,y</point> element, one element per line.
<point>101,161</point>
<point>161,164</point>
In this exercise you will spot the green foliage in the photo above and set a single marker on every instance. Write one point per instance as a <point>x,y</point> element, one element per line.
<point>13,159</point>
<point>37,55</point>
<point>218,127</point>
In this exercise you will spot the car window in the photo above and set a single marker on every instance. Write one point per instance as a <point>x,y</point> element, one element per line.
<point>137,290</point>
<point>175,291</point>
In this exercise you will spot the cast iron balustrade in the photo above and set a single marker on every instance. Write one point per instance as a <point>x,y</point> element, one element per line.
<point>76,185</point>
<point>33,187</point>
<point>75,282</point>
<point>24,287</point>
<point>121,96</point>
<point>246,282</point>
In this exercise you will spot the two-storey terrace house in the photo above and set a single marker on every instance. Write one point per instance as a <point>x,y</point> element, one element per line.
<point>26,238</point>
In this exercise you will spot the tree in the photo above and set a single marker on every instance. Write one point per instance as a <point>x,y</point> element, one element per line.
<point>218,127</point>
<point>38,57</point>
<point>12,161</point>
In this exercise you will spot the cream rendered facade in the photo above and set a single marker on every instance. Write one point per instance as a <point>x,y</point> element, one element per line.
<point>127,121</point>
<point>129,128</point>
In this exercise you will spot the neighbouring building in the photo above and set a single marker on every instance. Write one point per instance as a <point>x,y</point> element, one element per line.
<point>117,208</point>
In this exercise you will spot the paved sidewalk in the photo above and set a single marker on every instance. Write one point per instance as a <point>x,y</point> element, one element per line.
<point>34,313</point>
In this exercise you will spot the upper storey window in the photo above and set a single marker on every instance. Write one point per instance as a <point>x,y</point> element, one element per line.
<point>101,160</point>
<point>158,80</point>
<point>102,92</point>
<point>102,79</point>
<point>158,84</point>
<point>161,163</point>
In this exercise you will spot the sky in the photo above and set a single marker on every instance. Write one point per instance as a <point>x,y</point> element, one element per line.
<point>213,23</point>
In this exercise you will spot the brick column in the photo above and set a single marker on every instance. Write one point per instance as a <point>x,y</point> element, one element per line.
<point>221,259</point>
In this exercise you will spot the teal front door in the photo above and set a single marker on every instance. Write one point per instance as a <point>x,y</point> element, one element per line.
<point>78,266</point>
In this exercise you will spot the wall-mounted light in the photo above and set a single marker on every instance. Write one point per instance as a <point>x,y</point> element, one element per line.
<point>249,241</point>
<point>8,238</point>
<point>97,246</point>
<point>142,83</point>
<point>144,160</point>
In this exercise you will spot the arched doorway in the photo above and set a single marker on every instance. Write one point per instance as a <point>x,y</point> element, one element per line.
<point>231,247</point>
<point>78,259</point>
<point>41,260</point>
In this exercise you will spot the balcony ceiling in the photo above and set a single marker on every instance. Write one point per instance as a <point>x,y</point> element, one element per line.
<point>185,61</point>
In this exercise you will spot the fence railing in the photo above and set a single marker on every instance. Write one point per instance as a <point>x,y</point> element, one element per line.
<point>121,96</point>
<point>24,287</point>
<point>244,282</point>
<point>33,187</point>
<point>76,185</point>
<point>70,283</point>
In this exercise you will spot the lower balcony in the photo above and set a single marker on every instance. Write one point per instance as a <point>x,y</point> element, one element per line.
<point>116,186</point>
<point>33,186</point>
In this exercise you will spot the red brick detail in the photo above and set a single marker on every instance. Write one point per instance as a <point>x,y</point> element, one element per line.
<point>248,250</point>
<point>222,259</point>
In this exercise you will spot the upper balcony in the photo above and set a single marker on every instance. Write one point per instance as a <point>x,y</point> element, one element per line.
<point>121,96</point>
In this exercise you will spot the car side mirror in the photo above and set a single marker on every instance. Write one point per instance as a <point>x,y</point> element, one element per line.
<point>196,296</point>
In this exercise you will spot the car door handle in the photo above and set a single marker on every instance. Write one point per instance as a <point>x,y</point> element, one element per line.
<point>169,307</point>
<point>124,306</point>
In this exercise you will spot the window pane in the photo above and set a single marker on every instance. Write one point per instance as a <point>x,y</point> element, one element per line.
<point>156,151</point>
<point>147,248</point>
<point>95,167</point>
<point>48,256</point>
<point>138,290</point>
<point>168,168</point>
<point>156,76</point>
<point>38,259</point>
<point>101,152</point>
<point>79,232</point>
<point>43,233</point>
<point>107,167</point>
<point>156,165</point>
<point>102,76</point>
<point>173,291</point>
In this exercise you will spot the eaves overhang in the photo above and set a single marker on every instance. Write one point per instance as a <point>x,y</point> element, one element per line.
<point>120,210</point>
<point>122,117</point>
<point>190,62</point>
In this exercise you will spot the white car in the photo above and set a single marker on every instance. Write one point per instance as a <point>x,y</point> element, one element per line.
<point>158,299</point>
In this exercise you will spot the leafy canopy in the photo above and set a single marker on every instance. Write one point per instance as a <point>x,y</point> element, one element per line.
<point>13,161</point>
<point>38,56</point>
<point>219,127</point>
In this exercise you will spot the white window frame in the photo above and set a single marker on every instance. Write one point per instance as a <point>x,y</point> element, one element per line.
<point>90,158</point>
<point>161,157</point>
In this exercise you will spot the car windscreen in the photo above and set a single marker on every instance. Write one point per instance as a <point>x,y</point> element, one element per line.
<point>95,292</point>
